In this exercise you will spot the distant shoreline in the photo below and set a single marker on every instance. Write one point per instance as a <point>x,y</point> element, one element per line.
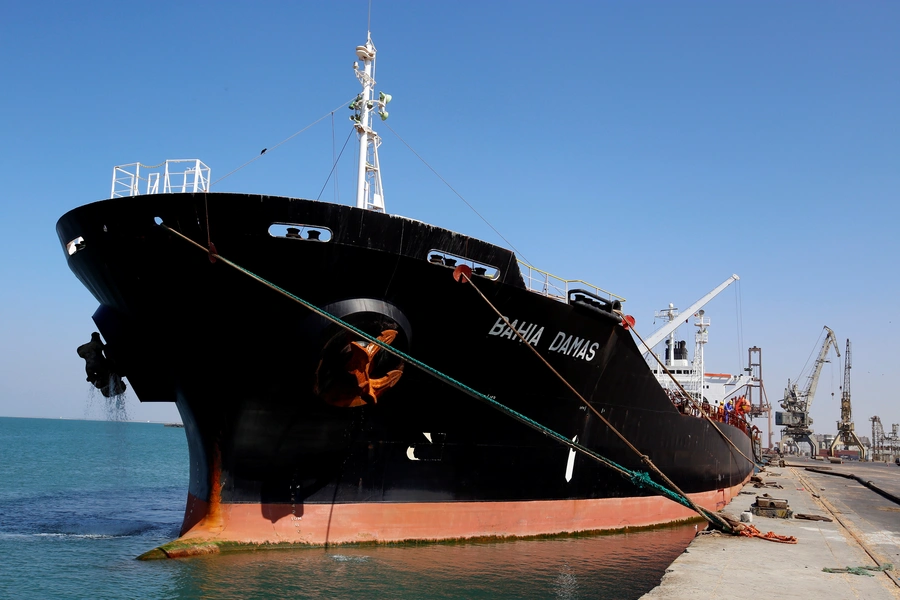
<point>171,423</point>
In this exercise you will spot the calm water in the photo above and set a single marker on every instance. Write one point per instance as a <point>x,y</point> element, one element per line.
<point>80,499</point>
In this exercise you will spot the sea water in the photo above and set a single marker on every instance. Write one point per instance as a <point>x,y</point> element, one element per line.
<point>79,500</point>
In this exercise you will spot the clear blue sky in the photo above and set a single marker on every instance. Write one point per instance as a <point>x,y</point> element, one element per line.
<point>653,148</point>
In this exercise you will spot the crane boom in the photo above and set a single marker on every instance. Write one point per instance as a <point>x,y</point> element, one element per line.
<point>846,390</point>
<point>830,340</point>
<point>795,418</point>
<point>846,433</point>
<point>661,333</point>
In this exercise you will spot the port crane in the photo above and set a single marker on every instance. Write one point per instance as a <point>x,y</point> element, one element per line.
<point>885,446</point>
<point>795,419</point>
<point>845,428</point>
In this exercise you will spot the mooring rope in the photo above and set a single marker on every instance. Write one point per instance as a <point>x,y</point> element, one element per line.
<point>644,458</point>
<point>638,478</point>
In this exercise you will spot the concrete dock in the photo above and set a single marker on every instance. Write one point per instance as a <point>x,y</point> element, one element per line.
<point>864,531</point>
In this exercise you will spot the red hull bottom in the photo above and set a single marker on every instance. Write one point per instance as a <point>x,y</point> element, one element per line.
<point>209,526</point>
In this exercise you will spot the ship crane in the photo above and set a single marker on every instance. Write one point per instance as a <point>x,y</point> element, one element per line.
<point>795,419</point>
<point>671,313</point>
<point>846,433</point>
<point>690,374</point>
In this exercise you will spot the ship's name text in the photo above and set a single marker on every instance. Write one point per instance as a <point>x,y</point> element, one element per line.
<point>563,343</point>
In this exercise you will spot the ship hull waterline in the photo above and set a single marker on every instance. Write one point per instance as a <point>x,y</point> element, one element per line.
<point>247,526</point>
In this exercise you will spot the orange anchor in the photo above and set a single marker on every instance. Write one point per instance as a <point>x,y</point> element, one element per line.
<point>359,366</point>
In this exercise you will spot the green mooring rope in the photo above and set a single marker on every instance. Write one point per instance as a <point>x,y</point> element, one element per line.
<point>863,570</point>
<point>640,479</point>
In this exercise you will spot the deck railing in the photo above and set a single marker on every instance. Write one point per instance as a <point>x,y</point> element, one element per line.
<point>177,175</point>
<point>550,285</point>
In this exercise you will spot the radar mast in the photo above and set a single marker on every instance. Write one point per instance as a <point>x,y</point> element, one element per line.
<point>369,191</point>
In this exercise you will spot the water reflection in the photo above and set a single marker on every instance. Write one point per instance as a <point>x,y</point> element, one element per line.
<point>610,566</point>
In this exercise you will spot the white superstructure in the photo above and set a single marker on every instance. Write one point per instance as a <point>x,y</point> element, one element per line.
<point>690,373</point>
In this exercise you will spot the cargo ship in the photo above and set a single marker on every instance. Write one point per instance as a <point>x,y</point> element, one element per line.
<point>303,432</point>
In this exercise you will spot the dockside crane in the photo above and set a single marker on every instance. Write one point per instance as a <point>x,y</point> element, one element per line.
<point>761,408</point>
<point>846,433</point>
<point>885,446</point>
<point>795,419</point>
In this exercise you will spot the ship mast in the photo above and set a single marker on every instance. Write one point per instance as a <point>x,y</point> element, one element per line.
<point>700,340</point>
<point>369,192</point>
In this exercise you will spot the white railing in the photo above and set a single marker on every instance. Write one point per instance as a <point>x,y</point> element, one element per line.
<point>550,285</point>
<point>177,176</point>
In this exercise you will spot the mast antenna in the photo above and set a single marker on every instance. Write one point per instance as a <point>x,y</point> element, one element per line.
<point>369,191</point>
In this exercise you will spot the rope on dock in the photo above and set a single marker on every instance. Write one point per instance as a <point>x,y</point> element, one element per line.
<point>638,478</point>
<point>863,570</point>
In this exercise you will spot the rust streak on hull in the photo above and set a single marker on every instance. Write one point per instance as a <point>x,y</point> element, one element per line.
<point>208,516</point>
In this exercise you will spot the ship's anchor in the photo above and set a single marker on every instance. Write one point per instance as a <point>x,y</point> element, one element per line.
<point>360,388</point>
<point>99,369</point>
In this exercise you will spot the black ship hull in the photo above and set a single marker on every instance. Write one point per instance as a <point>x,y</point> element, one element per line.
<point>290,442</point>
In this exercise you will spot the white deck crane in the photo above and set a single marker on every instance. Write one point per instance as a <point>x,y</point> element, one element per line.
<point>671,313</point>
<point>795,419</point>
<point>846,433</point>
<point>690,375</point>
